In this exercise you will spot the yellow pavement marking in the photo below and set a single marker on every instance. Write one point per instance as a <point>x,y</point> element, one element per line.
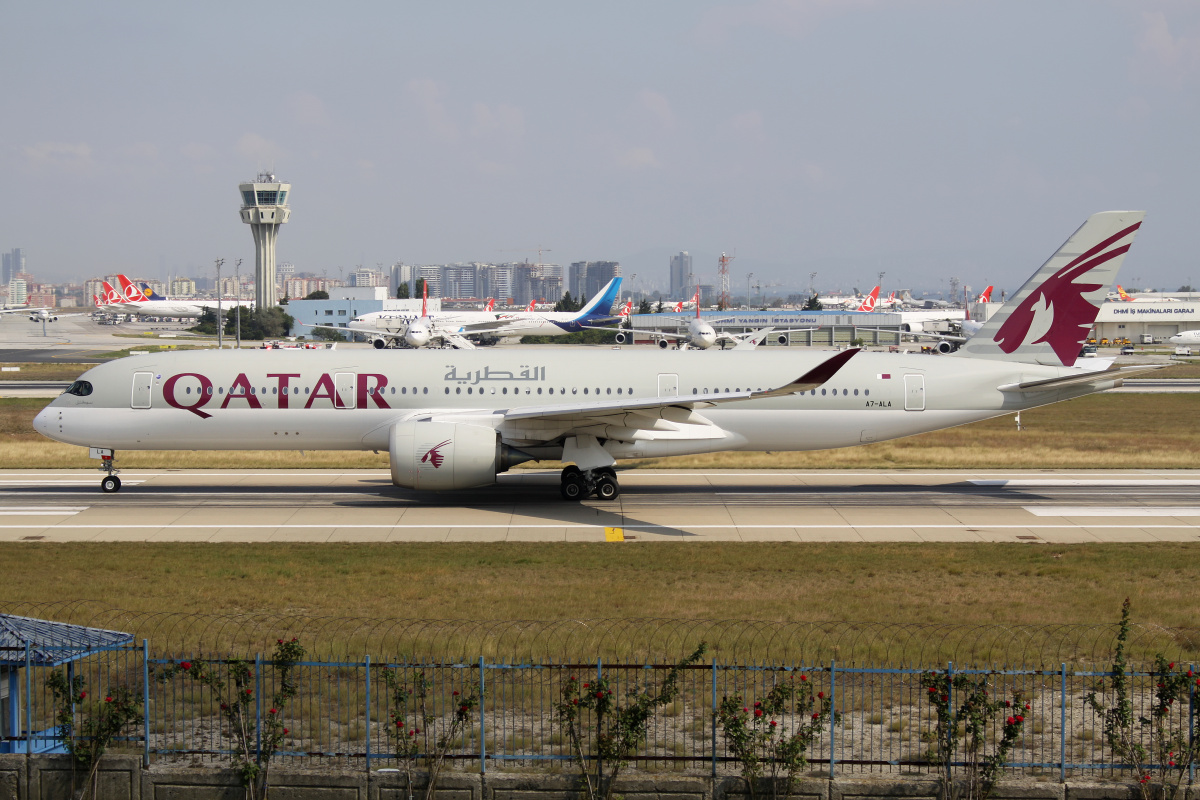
<point>614,534</point>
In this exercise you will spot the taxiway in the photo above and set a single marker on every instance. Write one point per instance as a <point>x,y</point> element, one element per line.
<point>363,506</point>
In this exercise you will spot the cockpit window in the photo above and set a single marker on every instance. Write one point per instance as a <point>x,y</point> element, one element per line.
<point>80,388</point>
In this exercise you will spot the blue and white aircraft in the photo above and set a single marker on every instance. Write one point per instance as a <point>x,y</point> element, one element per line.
<point>399,328</point>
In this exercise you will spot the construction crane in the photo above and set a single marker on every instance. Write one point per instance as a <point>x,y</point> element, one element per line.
<point>539,250</point>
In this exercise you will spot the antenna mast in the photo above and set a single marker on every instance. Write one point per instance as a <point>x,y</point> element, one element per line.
<point>723,279</point>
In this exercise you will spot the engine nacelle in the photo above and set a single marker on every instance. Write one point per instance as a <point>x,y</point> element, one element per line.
<point>623,337</point>
<point>379,343</point>
<point>434,456</point>
<point>945,347</point>
<point>783,339</point>
<point>663,344</point>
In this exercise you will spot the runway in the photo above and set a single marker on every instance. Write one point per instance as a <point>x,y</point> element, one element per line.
<point>1042,507</point>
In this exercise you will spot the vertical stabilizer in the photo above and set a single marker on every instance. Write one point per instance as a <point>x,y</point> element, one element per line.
<point>1047,321</point>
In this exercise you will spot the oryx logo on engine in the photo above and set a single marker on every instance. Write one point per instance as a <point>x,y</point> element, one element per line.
<point>434,454</point>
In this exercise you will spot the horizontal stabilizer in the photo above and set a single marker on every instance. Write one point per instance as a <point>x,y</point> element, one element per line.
<point>1117,374</point>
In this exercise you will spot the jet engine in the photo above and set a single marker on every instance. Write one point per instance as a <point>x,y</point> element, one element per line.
<point>783,339</point>
<point>379,342</point>
<point>945,347</point>
<point>418,334</point>
<point>623,337</point>
<point>448,455</point>
<point>664,344</point>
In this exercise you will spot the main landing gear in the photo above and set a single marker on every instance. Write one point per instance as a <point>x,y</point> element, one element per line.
<point>111,483</point>
<point>578,484</point>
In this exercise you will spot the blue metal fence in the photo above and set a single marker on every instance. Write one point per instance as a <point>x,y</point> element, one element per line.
<point>883,722</point>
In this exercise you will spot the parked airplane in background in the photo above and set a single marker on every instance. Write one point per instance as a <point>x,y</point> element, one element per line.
<point>1128,298</point>
<point>391,328</point>
<point>1186,337</point>
<point>699,335</point>
<point>453,420</point>
<point>985,296</point>
<point>131,299</point>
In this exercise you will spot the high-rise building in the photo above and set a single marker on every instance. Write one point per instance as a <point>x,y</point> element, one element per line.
<point>681,268</point>
<point>459,280</point>
<point>587,278</point>
<point>11,264</point>
<point>264,209</point>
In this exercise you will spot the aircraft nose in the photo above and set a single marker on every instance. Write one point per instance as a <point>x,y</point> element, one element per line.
<point>42,422</point>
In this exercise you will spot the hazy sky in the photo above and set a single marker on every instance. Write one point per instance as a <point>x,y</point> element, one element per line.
<point>918,137</point>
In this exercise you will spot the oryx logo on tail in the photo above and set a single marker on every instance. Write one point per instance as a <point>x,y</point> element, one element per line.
<point>1057,312</point>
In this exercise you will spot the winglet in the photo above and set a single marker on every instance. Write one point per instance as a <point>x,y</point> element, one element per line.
<point>815,376</point>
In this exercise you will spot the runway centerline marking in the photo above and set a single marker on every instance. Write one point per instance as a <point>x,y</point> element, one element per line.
<point>594,526</point>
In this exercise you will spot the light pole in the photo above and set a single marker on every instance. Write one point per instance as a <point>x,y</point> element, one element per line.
<point>237,281</point>
<point>749,275</point>
<point>220,326</point>
<point>632,290</point>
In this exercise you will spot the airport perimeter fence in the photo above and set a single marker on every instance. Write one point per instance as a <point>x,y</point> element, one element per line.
<point>884,721</point>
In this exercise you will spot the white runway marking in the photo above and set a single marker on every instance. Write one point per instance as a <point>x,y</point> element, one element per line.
<point>1085,482</point>
<point>1113,511</point>
<point>39,482</point>
<point>591,526</point>
<point>33,511</point>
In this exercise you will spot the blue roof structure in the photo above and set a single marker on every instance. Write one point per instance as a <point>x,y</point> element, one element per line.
<point>51,643</point>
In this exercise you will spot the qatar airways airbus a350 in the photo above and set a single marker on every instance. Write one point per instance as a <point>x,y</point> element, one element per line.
<point>454,419</point>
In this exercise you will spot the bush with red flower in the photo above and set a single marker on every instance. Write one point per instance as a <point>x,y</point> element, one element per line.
<point>773,738</point>
<point>604,732</point>
<point>233,682</point>
<point>416,729</point>
<point>88,729</point>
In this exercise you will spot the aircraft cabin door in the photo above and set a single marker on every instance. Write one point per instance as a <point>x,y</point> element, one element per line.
<point>343,384</point>
<point>668,385</point>
<point>914,392</point>
<point>143,382</point>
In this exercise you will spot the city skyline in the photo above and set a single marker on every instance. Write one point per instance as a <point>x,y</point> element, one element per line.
<point>926,140</point>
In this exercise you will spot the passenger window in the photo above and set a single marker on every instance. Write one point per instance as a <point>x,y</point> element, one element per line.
<point>585,390</point>
<point>856,392</point>
<point>866,392</point>
<point>425,390</point>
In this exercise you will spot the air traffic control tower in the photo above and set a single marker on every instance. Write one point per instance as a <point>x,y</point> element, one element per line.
<point>264,209</point>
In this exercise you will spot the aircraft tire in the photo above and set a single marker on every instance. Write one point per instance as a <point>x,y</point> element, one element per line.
<point>572,488</point>
<point>569,471</point>
<point>607,488</point>
<point>110,484</point>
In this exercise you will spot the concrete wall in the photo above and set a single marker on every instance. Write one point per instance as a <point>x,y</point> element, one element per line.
<point>123,778</point>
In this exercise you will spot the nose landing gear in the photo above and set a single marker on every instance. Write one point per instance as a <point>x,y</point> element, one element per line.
<point>579,484</point>
<point>110,483</point>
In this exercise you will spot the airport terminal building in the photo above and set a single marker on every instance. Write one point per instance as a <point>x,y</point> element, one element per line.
<point>1137,320</point>
<point>807,328</point>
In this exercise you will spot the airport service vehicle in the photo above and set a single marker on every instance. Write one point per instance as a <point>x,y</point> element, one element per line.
<point>397,328</point>
<point>1183,351</point>
<point>454,419</point>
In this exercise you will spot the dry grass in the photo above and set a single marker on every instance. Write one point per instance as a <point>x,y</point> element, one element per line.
<point>37,371</point>
<point>931,583</point>
<point>1108,431</point>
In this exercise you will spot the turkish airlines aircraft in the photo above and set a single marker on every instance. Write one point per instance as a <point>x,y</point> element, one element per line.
<point>1128,298</point>
<point>454,419</point>
<point>390,328</point>
<point>132,299</point>
<point>867,303</point>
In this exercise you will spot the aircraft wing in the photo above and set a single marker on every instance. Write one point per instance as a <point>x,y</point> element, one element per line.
<point>660,334</point>
<point>24,310</point>
<point>1112,373</point>
<point>812,379</point>
<point>749,341</point>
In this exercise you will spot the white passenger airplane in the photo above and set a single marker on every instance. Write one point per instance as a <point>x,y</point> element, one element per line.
<point>454,419</point>
<point>699,334</point>
<point>391,328</point>
<point>132,299</point>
